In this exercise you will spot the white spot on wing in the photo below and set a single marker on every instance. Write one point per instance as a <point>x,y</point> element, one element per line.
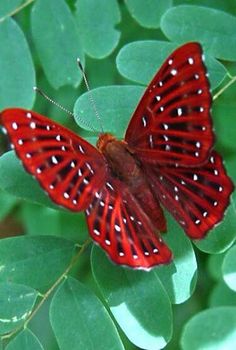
<point>173,72</point>
<point>179,111</point>
<point>54,160</point>
<point>190,60</point>
<point>14,126</point>
<point>81,149</point>
<point>32,125</point>
<point>144,120</point>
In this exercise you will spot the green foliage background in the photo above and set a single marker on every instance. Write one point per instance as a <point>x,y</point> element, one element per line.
<point>56,290</point>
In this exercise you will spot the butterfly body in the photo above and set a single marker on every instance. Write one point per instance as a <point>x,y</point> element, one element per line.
<point>125,166</point>
<point>166,158</point>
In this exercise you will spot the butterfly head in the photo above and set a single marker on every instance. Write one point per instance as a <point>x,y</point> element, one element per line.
<point>103,140</point>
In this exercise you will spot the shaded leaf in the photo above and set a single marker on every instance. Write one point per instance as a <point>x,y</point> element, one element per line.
<point>24,340</point>
<point>17,76</point>
<point>21,257</point>
<point>60,46</point>
<point>229,268</point>
<point>80,321</point>
<point>221,295</point>
<point>140,60</point>
<point>16,303</point>
<point>7,202</point>
<point>116,105</point>
<point>132,297</point>
<point>211,329</point>
<point>179,277</point>
<point>148,13</point>
<point>6,7</point>
<point>16,181</point>
<point>179,24</point>
<point>98,34</point>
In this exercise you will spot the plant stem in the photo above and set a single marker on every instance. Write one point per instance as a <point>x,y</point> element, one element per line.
<point>50,290</point>
<point>18,9</point>
<point>233,79</point>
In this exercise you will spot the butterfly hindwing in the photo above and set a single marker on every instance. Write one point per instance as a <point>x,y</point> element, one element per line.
<point>119,225</point>
<point>196,197</point>
<point>64,163</point>
<point>172,123</point>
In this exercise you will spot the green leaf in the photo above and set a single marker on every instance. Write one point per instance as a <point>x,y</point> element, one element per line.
<point>179,277</point>
<point>16,303</point>
<point>34,261</point>
<point>148,13</point>
<point>211,329</point>
<point>214,266</point>
<point>17,76</point>
<point>80,321</point>
<point>98,34</point>
<point>224,119</point>
<point>179,24</point>
<point>57,42</point>
<point>136,299</point>
<point>6,7</point>
<point>54,222</point>
<point>24,340</point>
<point>7,202</point>
<point>229,268</point>
<point>140,60</point>
<point>16,181</point>
<point>222,295</point>
<point>116,105</point>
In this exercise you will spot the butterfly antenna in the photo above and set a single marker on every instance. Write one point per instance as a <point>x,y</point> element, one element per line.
<point>40,92</point>
<point>90,93</point>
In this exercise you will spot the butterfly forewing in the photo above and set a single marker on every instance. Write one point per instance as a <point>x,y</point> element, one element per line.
<point>196,197</point>
<point>66,165</point>
<point>119,225</point>
<point>172,122</point>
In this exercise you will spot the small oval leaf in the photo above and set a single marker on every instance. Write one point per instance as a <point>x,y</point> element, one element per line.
<point>140,60</point>
<point>211,329</point>
<point>179,24</point>
<point>148,13</point>
<point>17,76</point>
<point>60,46</point>
<point>98,34</point>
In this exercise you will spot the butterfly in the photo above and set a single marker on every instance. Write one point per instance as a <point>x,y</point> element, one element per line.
<point>165,159</point>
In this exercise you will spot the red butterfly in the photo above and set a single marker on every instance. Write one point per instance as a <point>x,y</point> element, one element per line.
<point>166,157</point>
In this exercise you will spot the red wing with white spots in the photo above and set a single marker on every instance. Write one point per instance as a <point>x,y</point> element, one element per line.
<point>196,197</point>
<point>65,165</point>
<point>119,225</point>
<point>172,122</point>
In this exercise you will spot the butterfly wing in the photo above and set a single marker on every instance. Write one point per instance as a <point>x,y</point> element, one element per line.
<point>172,123</point>
<point>119,225</point>
<point>196,197</point>
<point>65,165</point>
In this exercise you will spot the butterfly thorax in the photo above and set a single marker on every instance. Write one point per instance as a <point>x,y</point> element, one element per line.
<point>120,159</point>
<point>124,165</point>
